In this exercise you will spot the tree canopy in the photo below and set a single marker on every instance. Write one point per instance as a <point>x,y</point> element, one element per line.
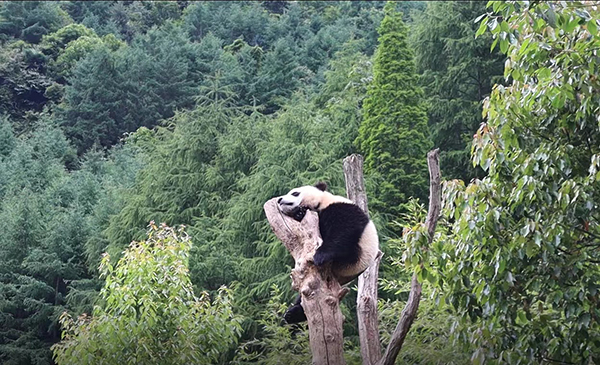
<point>518,257</point>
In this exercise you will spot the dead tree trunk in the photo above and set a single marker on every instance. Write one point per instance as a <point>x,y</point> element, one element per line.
<point>320,292</point>
<point>412,305</point>
<point>366,301</point>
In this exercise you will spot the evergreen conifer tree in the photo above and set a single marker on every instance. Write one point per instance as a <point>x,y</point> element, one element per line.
<point>457,72</point>
<point>393,134</point>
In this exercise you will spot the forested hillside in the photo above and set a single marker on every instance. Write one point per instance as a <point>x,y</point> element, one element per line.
<point>116,114</point>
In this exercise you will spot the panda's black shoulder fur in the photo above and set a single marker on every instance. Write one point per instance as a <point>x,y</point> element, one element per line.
<point>341,226</point>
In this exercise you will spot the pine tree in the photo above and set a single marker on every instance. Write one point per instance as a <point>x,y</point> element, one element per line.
<point>91,113</point>
<point>393,135</point>
<point>458,72</point>
<point>279,75</point>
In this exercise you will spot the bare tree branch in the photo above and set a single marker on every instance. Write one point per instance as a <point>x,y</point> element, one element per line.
<point>366,301</point>
<point>320,291</point>
<point>412,305</point>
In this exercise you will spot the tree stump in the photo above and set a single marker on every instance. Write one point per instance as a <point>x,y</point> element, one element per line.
<point>320,291</point>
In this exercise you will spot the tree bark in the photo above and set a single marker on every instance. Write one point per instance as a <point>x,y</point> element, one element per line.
<point>320,292</point>
<point>412,305</point>
<point>366,301</point>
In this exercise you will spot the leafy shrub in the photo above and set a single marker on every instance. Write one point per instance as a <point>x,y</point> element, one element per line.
<point>149,313</point>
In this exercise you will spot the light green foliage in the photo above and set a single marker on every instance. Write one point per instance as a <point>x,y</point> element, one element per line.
<point>518,254</point>
<point>457,72</point>
<point>430,338</point>
<point>393,135</point>
<point>183,181</point>
<point>346,79</point>
<point>53,43</point>
<point>278,344</point>
<point>149,313</point>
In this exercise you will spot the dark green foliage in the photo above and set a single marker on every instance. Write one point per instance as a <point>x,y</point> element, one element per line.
<point>279,74</point>
<point>393,135</point>
<point>23,83</point>
<point>155,74</point>
<point>458,72</point>
<point>40,245</point>
<point>45,217</point>
<point>30,20</point>
<point>229,21</point>
<point>7,138</point>
<point>92,113</point>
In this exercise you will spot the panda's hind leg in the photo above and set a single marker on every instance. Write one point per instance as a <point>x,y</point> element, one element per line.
<point>295,313</point>
<point>332,252</point>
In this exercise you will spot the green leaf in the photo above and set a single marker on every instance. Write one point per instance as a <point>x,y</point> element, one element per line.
<point>482,27</point>
<point>584,320</point>
<point>503,45</point>
<point>493,24</point>
<point>521,317</point>
<point>494,44</point>
<point>592,27</point>
<point>478,357</point>
<point>480,17</point>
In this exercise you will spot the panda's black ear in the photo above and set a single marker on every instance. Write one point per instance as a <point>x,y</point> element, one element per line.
<point>321,185</point>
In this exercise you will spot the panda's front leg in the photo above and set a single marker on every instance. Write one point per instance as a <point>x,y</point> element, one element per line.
<point>323,256</point>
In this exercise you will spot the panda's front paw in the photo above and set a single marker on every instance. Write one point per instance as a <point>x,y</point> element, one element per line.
<point>299,214</point>
<point>294,314</point>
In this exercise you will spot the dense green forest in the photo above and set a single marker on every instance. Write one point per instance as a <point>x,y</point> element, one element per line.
<point>122,119</point>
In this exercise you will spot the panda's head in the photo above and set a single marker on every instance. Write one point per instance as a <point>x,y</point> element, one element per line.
<point>298,200</point>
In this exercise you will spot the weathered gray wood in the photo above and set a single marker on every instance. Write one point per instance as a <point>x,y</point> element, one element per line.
<point>355,183</point>
<point>412,305</point>
<point>320,292</point>
<point>366,301</point>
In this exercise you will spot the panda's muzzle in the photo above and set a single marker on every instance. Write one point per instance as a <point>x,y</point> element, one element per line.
<point>284,203</point>
<point>297,212</point>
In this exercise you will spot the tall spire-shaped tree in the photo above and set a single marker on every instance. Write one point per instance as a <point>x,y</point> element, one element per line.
<point>393,135</point>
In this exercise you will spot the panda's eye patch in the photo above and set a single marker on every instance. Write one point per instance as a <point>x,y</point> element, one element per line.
<point>295,193</point>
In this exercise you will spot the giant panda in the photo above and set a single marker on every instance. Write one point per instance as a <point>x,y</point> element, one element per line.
<point>350,241</point>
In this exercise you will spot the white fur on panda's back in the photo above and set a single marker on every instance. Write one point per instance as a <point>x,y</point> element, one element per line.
<point>329,199</point>
<point>369,245</point>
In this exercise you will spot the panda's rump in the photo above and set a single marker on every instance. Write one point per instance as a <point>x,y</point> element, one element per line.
<point>369,247</point>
